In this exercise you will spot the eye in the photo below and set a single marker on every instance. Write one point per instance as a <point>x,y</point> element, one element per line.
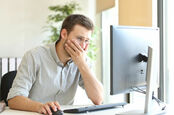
<point>79,38</point>
<point>87,41</point>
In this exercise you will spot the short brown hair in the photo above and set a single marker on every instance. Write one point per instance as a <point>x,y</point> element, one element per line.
<point>76,19</point>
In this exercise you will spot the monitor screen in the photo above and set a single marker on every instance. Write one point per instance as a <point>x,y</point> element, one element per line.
<point>129,52</point>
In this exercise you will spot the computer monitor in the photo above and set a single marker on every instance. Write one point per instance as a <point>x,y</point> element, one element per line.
<point>129,58</point>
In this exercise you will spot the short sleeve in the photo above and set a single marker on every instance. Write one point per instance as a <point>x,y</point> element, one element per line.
<point>25,77</point>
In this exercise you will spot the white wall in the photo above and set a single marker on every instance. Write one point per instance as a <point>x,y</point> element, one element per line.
<point>22,22</point>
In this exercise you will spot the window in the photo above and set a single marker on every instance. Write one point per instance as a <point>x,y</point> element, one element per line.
<point>168,18</point>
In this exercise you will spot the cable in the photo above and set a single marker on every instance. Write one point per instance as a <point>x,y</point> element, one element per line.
<point>160,103</point>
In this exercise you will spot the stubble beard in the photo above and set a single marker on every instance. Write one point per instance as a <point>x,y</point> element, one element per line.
<point>66,53</point>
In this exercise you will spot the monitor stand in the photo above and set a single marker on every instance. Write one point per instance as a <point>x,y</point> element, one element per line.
<point>150,81</point>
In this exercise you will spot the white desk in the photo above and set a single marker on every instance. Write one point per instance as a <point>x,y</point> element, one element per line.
<point>127,110</point>
<point>8,111</point>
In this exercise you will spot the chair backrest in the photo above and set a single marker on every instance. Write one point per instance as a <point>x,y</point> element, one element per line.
<point>6,84</point>
<point>8,64</point>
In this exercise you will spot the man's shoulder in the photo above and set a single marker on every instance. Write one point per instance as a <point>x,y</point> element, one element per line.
<point>41,50</point>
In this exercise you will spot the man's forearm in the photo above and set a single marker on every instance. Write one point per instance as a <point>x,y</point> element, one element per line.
<point>93,87</point>
<point>24,103</point>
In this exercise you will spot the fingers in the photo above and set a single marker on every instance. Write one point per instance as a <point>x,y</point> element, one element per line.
<point>52,105</point>
<point>43,111</point>
<point>73,48</point>
<point>70,50</point>
<point>57,105</point>
<point>46,108</point>
<point>77,45</point>
<point>71,43</point>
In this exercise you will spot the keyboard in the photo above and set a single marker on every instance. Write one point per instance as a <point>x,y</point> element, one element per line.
<point>94,108</point>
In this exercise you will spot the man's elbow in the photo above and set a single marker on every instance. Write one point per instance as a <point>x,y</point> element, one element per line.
<point>13,102</point>
<point>10,103</point>
<point>98,101</point>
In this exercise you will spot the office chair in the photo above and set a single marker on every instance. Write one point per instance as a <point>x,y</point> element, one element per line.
<point>6,83</point>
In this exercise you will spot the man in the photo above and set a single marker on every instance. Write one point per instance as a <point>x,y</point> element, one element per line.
<point>48,76</point>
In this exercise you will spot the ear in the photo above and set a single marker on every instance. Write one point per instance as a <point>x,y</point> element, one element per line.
<point>64,34</point>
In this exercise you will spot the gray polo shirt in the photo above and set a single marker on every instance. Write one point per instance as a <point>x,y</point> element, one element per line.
<point>42,77</point>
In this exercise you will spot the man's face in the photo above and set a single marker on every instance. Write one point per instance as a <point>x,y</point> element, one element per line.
<point>81,35</point>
